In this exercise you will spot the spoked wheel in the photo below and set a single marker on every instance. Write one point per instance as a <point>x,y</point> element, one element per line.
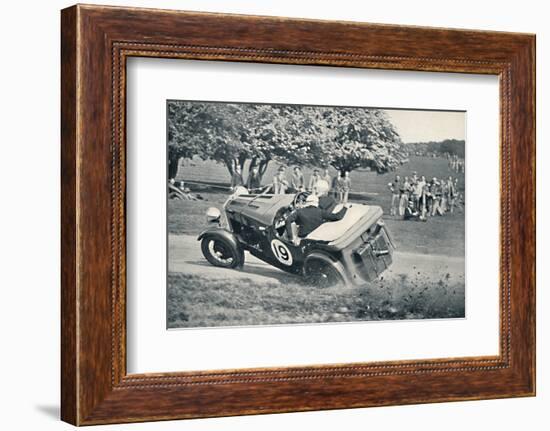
<point>220,252</point>
<point>323,272</point>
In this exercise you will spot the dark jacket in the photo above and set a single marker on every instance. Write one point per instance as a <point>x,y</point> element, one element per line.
<point>327,204</point>
<point>310,218</point>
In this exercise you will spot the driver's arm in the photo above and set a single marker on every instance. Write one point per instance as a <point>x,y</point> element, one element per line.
<point>335,217</point>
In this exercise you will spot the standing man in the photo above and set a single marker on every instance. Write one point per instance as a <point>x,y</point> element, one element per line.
<point>280,184</point>
<point>444,195</point>
<point>451,194</point>
<point>429,197</point>
<point>297,182</point>
<point>313,181</point>
<point>436,196</point>
<point>237,177</point>
<point>420,192</point>
<point>417,188</point>
<point>424,198</point>
<point>395,195</point>
<point>254,181</point>
<point>326,177</point>
<point>343,186</point>
<point>404,189</point>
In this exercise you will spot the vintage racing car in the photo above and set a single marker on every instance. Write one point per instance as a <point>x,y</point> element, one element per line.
<point>353,250</point>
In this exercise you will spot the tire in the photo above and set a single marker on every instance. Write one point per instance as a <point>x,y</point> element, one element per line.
<point>321,271</point>
<point>221,252</point>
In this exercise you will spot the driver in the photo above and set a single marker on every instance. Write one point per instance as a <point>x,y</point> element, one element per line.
<point>308,217</point>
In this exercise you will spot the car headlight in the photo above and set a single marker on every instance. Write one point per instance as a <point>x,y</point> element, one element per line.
<point>213,215</point>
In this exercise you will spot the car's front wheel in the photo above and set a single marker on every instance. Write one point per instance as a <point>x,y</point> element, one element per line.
<point>321,271</point>
<point>221,252</point>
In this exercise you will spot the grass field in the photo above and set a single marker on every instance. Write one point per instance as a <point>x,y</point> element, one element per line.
<point>196,300</point>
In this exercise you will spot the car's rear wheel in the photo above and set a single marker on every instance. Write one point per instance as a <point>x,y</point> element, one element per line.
<point>321,271</point>
<point>221,252</point>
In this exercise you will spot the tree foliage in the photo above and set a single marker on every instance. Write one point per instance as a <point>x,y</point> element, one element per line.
<point>454,147</point>
<point>346,138</point>
<point>361,138</point>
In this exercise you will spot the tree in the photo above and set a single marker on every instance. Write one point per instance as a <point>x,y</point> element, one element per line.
<point>207,130</point>
<point>236,133</point>
<point>289,134</point>
<point>346,138</point>
<point>455,147</point>
<point>361,137</point>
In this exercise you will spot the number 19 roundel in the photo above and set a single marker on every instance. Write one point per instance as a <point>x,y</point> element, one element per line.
<point>281,252</point>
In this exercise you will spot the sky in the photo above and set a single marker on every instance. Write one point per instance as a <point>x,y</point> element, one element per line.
<point>425,126</point>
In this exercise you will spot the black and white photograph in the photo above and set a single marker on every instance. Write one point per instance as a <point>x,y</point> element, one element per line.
<point>275,215</point>
<point>297,214</point>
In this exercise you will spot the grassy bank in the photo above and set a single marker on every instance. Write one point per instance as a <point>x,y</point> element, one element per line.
<point>197,301</point>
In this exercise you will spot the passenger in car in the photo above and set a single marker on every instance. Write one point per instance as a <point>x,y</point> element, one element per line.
<point>326,202</point>
<point>307,218</point>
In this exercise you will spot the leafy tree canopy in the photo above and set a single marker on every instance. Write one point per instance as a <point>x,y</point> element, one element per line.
<point>454,147</point>
<point>346,138</point>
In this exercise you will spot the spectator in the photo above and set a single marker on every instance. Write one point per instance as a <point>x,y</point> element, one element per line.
<point>404,192</point>
<point>451,194</point>
<point>297,181</point>
<point>313,181</point>
<point>237,177</point>
<point>280,183</point>
<point>428,197</point>
<point>412,213</point>
<point>343,186</point>
<point>395,195</point>
<point>417,191</point>
<point>424,198</point>
<point>421,185</point>
<point>326,177</point>
<point>444,195</point>
<point>253,182</point>
<point>436,196</point>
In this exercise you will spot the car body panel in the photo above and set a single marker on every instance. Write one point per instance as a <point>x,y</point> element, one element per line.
<point>261,208</point>
<point>340,233</point>
<point>359,242</point>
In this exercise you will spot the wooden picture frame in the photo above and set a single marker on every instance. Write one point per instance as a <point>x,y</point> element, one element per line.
<point>95,43</point>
